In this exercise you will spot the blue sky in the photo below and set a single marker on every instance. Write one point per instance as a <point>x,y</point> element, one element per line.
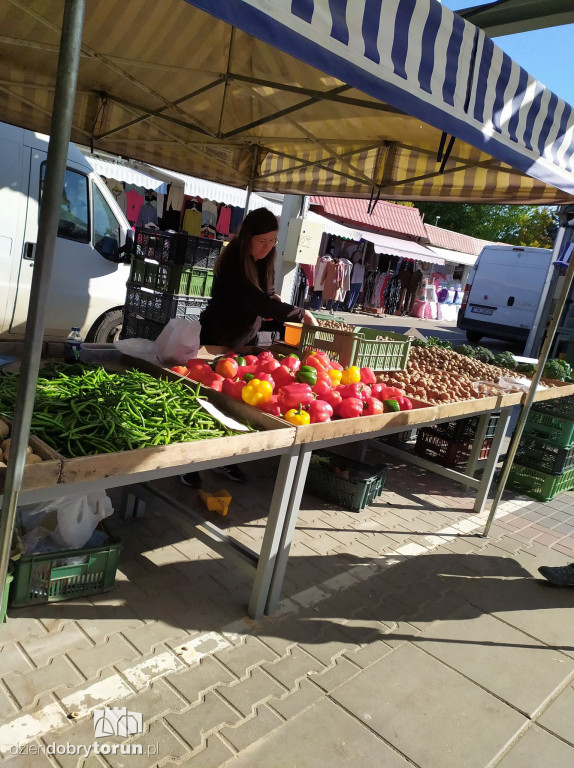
<point>546,54</point>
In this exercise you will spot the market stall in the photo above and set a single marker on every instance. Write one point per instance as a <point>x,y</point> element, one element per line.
<point>448,132</point>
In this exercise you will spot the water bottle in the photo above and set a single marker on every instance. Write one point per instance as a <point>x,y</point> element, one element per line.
<point>73,346</point>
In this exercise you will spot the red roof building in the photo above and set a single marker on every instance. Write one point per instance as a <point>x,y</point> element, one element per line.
<point>387,218</point>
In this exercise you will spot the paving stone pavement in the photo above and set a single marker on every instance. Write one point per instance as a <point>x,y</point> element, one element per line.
<point>404,638</point>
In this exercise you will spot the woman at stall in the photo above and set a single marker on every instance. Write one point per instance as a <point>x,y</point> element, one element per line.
<point>242,295</point>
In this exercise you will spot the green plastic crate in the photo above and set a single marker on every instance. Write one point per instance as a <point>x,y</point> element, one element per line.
<point>539,485</point>
<point>553,429</point>
<point>364,347</point>
<point>181,279</point>
<point>364,484</point>
<point>559,406</point>
<point>53,577</point>
<point>5,594</point>
<point>540,454</point>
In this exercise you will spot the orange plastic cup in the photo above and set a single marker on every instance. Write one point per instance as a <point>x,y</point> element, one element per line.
<point>293,333</point>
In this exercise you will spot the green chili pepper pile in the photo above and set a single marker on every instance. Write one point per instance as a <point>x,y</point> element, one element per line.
<point>82,410</point>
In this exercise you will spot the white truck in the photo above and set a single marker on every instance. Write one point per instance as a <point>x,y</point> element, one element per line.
<point>88,286</point>
<point>505,292</point>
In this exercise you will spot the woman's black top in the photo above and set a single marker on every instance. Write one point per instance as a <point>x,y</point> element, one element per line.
<point>234,313</point>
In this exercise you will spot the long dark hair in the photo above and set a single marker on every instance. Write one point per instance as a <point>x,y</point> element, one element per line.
<point>258,222</point>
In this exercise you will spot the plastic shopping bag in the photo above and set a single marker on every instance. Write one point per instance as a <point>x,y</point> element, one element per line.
<point>79,515</point>
<point>178,341</point>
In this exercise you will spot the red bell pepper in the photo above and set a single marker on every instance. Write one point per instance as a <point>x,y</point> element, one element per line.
<point>199,372</point>
<point>271,406</point>
<point>213,381</point>
<point>181,369</point>
<point>292,362</point>
<point>350,408</point>
<point>292,395</point>
<point>337,365</point>
<point>233,387</point>
<point>283,376</point>
<point>227,367</point>
<point>392,392</point>
<point>265,377</point>
<point>320,411</point>
<point>194,361</point>
<point>318,361</point>
<point>265,355</point>
<point>267,366</point>
<point>404,403</point>
<point>368,376</point>
<point>362,391</point>
<point>373,407</point>
<point>379,390</point>
<point>251,359</point>
<point>333,398</point>
<point>322,387</point>
<point>243,369</point>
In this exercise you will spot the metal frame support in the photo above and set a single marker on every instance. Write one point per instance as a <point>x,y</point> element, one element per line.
<point>63,109</point>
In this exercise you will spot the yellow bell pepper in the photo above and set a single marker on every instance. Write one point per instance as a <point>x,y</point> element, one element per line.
<point>256,391</point>
<point>351,375</point>
<point>335,376</point>
<point>297,416</point>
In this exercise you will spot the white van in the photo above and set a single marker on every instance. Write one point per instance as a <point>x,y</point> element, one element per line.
<point>504,290</point>
<point>88,284</point>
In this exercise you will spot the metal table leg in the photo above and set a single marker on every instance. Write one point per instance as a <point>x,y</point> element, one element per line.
<point>490,466</point>
<point>278,517</point>
<point>289,528</point>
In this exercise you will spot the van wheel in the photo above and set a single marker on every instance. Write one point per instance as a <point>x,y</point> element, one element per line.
<point>107,329</point>
<point>473,337</point>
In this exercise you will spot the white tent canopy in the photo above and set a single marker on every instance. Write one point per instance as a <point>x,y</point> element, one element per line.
<point>455,257</point>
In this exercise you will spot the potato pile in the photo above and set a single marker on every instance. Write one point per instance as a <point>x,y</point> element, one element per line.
<point>335,325</point>
<point>31,458</point>
<point>438,376</point>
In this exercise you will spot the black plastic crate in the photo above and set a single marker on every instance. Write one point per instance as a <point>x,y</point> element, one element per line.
<point>399,439</point>
<point>352,484</point>
<point>138,328</point>
<point>543,456</point>
<point>162,247</point>
<point>176,248</point>
<point>462,430</point>
<point>161,307</point>
<point>560,406</point>
<point>444,451</point>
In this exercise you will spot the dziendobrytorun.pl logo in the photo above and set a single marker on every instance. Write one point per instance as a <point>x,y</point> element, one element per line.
<point>110,721</point>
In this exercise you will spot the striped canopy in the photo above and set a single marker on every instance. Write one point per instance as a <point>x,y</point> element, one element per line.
<point>400,99</point>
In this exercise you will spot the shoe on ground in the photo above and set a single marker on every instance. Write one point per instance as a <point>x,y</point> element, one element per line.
<point>231,472</point>
<point>191,479</point>
<point>562,576</point>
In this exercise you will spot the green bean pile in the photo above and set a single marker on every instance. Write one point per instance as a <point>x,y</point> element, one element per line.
<point>84,410</point>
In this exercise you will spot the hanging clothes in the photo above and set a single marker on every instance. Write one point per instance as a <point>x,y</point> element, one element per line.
<point>192,217</point>
<point>320,272</point>
<point>237,216</point>
<point>209,214</point>
<point>224,220</point>
<point>148,215</point>
<point>120,196</point>
<point>332,287</point>
<point>134,205</point>
<point>392,295</point>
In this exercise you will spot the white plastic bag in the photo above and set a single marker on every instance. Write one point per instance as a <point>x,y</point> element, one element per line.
<point>79,515</point>
<point>178,341</point>
<point>143,349</point>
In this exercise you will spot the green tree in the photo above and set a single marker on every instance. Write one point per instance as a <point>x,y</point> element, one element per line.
<point>513,224</point>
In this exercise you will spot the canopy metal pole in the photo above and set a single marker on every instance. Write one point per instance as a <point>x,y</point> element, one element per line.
<point>61,124</point>
<point>548,341</point>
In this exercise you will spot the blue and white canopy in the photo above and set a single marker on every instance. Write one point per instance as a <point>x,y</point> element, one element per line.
<point>398,98</point>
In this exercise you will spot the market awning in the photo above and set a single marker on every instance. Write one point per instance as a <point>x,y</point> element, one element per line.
<point>385,216</point>
<point>455,257</point>
<point>401,98</point>
<point>406,249</point>
<point>124,173</point>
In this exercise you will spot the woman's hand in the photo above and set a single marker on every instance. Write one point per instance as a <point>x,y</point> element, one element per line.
<point>276,297</point>
<point>309,318</point>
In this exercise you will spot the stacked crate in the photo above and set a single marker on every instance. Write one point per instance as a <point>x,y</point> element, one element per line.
<point>171,276</point>
<point>544,462</point>
<point>450,443</point>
